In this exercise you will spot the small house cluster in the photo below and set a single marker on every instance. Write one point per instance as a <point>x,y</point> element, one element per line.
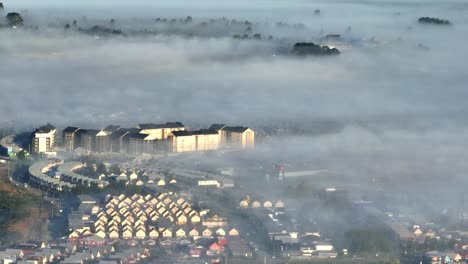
<point>68,253</point>
<point>248,202</point>
<point>166,215</point>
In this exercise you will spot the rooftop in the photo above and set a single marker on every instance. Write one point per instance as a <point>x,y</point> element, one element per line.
<point>238,129</point>
<point>166,125</point>
<point>193,133</point>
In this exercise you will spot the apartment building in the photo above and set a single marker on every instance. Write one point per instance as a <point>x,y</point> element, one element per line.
<point>141,144</point>
<point>88,139</point>
<point>71,139</point>
<point>200,140</point>
<point>103,139</point>
<point>234,136</point>
<point>44,139</point>
<point>160,131</point>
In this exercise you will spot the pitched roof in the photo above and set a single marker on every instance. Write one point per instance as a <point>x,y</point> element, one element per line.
<point>120,132</point>
<point>216,127</point>
<point>46,128</point>
<point>91,132</point>
<point>70,129</point>
<point>111,128</point>
<point>193,133</point>
<point>138,136</point>
<point>156,126</point>
<point>238,129</point>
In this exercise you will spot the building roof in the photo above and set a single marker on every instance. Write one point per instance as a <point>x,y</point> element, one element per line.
<point>120,132</point>
<point>156,126</point>
<point>84,198</point>
<point>138,136</point>
<point>238,129</point>
<point>91,132</point>
<point>111,128</point>
<point>238,247</point>
<point>70,130</point>
<point>193,133</point>
<point>216,127</point>
<point>46,128</point>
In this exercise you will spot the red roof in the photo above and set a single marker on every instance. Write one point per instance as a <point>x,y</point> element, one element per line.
<point>215,246</point>
<point>222,241</point>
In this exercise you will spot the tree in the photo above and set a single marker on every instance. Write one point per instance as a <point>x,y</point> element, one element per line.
<point>309,48</point>
<point>14,19</point>
<point>1,6</point>
<point>368,241</point>
<point>67,26</point>
<point>433,20</point>
<point>101,168</point>
<point>21,155</point>
<point>114,169</point>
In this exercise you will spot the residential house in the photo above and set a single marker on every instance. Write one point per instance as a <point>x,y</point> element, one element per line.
<point>166,233</point>
<point>233,232</point>
<point>180,233</point>
<point>207,232</point>
<point>220,232</point>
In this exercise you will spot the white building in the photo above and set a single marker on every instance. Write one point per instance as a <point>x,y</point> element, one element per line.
<point>44,139</point>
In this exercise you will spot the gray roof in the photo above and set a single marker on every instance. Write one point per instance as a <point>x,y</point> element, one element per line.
<point>238,129</point>
<point>70,130</point>
<point>192,133</point>
<point>46,128</point>
<point>111,128</point>
<point>36,171</point>
<point>84,198</point>
<point>166,125</point>
<point>216,127</point>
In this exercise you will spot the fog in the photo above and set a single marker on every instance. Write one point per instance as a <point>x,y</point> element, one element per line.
<point>402,107</point>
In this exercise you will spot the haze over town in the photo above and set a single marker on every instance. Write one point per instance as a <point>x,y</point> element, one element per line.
<point>384,120</point>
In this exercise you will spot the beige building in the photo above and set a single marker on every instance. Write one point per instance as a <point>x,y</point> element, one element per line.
<point>236,137</point>
<point>187,141</point>
<point>160,131</point>
<point>44,139</point>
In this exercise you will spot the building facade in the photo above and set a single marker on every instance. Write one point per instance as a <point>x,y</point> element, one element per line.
<point>187,141</point>
<point>44,139</point>
<point>71,139</point>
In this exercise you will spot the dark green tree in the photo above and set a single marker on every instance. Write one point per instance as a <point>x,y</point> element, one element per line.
<point>101,168</point>
<point>21,155</point>
<point>114,169</point>
<point>14,19</point>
